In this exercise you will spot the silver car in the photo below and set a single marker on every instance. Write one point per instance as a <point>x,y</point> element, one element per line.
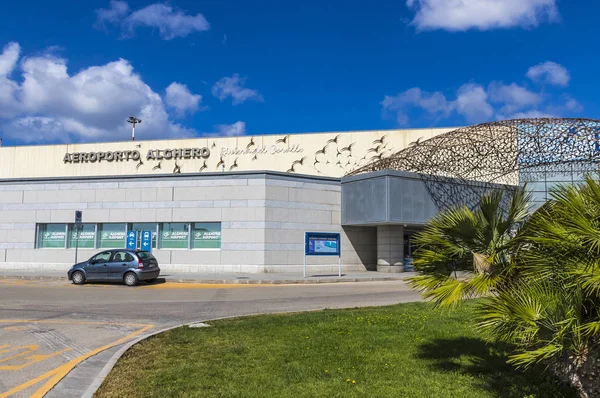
<point>122,265</point>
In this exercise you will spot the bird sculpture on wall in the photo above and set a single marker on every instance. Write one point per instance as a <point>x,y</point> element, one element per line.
<point>333,140</point>
<point>214,144</point>
<point>139,164</point>
<point>282,140</point>
<point>251,143</point>
<point>221,163</point>
<point>234,165</point>
<point>415,142</point>
<point>338,153</point>
<point>321,151</point>
<point>291,169</point>
<point>300,162</point>
<point>177,168</point>
<point>158,166</point>
<point>379,141</point>
<point>138,146</point>
<point>255,157</point>
<point>348,148</point>
<point>204,166</point>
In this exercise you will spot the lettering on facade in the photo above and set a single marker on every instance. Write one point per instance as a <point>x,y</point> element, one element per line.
<point>123,156</point>
<point>264,150</point>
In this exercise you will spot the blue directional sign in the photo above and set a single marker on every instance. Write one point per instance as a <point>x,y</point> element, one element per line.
<point>131,240</point>
<point>147,241</point>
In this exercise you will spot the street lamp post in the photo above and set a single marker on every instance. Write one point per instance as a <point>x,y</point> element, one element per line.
<point>133,120</point>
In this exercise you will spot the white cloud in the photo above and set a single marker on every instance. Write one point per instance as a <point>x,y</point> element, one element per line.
<point>499,101</point>
<point>170,23</point>
<point>9,58</point>
<point>180,98</point>
<point>434,103</point>
<point>549,72</point>
<point>461,15</point>
<point>233,87</point>
<point>573,105</point>
<point>513,96</point>
<point>47,104</point>
<point>235,129</point>
<point>534,113</point>
<point>471,102</point>
<point>117,11</point>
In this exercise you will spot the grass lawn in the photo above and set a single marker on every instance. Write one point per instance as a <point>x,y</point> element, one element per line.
<point>405,350</point>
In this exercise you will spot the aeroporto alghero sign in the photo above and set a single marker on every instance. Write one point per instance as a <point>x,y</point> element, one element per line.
<point>122,156</point>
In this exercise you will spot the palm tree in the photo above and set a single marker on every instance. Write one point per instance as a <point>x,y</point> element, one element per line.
<point>539,276</point>
<point>551,314</point>
<point>464,253</point>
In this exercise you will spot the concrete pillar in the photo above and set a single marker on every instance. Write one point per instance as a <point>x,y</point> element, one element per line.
<point>390,246</point>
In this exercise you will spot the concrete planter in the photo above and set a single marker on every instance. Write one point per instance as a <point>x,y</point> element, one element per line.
<point>390,269</point>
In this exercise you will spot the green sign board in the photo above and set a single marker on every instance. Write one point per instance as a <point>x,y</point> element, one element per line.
<point>207,236</point>
<point>87,239</point>
<point>175,239</point>
<point>110,239</point>
<point>53,239</point>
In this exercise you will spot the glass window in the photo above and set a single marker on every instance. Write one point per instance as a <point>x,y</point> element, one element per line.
<point>122,257</point>
<point>144,226</point>
<point>86,236</point>
<point>111,236</point>
<point>206,235</point>
<point>52,235</point>
<point>174,235</point>
<point>101,258</point>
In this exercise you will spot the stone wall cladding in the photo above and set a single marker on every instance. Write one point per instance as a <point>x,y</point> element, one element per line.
<point>263,219</point>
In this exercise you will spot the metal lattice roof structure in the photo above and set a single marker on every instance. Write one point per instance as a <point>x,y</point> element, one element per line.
<point>459,166</point>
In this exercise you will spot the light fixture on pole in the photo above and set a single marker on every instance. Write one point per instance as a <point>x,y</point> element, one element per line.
<point>133,120</point>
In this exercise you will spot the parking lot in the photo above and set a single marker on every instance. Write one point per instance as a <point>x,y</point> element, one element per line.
<point>48,329</point>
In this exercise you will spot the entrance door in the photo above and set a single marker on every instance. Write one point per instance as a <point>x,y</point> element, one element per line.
<point>120,262</point>
<point>97,268</point>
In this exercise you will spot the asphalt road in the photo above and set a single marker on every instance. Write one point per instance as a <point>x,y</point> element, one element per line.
<point>55,338</point>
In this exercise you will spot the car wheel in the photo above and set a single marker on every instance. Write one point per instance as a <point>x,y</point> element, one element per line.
<point>151,280</point>
<point>78,278</point>
<point>130,279</point>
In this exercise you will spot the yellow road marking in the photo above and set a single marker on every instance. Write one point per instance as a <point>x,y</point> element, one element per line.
<point>28,348</point>
<point>30,359</point>
<point>55,375</point>
<point>14,329</point>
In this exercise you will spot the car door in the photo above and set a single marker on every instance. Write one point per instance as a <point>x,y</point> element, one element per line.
<point>120,262</point>
<point>97,268</point>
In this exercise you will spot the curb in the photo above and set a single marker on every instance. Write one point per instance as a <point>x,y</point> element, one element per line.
<point>226,281</point>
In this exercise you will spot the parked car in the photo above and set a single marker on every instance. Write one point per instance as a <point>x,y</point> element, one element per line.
<point>128,266</point>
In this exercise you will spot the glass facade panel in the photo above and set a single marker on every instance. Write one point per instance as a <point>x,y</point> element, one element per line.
<point>52,235</point>
<point>144,226</point>
<point>111,236</point>
<point>175,235</point>
<point>206,235</point>
<point>86,236</point>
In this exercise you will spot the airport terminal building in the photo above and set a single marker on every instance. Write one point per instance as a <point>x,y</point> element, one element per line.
<point>244,204</point>
<point>233,204</point>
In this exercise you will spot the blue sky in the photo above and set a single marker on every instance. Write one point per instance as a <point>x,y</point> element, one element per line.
<point>75,71</point>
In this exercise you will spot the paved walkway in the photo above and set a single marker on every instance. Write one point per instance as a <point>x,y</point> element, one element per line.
<point>235,278</point>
